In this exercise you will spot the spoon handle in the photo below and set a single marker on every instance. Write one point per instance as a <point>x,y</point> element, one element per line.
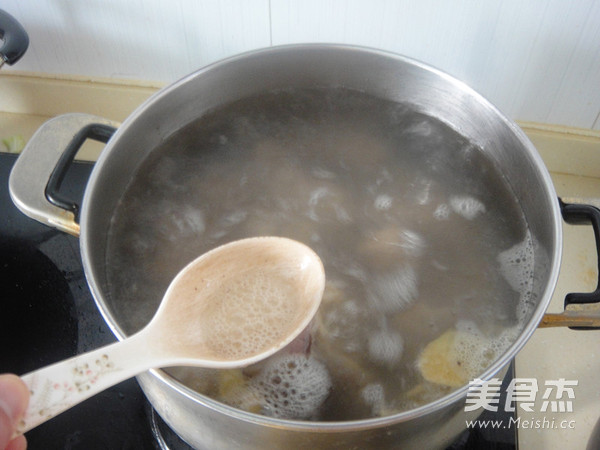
<point>60,386</point>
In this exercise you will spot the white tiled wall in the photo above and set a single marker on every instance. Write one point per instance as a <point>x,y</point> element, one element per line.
<point>537,60</point>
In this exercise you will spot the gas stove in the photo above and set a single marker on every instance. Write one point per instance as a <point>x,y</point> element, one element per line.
<point>48,314</point>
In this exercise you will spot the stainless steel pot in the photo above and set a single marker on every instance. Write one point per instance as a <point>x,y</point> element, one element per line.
<point>14,39</point>
<point>199,420</point>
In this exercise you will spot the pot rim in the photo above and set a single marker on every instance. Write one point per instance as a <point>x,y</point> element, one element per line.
<point>361,424</point>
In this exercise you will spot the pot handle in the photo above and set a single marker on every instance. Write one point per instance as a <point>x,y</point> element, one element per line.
<point>36,177</point>
<point>576,213</point>
<point>15,39</point>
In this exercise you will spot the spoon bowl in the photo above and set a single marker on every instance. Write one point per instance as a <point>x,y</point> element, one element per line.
<point>231,307</point>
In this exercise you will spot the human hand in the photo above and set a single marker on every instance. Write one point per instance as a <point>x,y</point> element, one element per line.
<point>14,396</point>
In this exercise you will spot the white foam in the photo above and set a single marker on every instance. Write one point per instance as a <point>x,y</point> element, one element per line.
<point>233,218</point>
<point>468,326</point>
<point>412,242</point>
<point>383,177</point>
<point>423,128</point>
<point>258,311</point>
<point>442,212</point>
<point>323,202</point>
<point>476,351</point>
<point>342,319</point>
<point>466,206</point>
<point>315,198</point>
<point>181,223</point>
<point>383,202</point>
<point>293,386</point>
<point>423,196</point>
<point>341,214</point>
<point>516,266</point>
<point>394,291</point>
<point>385,347</point>
<point>374,396</point>
<point>393,242</point>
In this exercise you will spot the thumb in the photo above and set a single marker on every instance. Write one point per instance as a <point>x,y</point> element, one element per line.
<point>14,397</point>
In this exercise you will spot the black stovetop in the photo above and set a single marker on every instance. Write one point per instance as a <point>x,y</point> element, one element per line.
<point>47,313</point>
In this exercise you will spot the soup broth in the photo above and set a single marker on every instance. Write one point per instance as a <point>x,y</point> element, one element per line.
<point>427,255</point>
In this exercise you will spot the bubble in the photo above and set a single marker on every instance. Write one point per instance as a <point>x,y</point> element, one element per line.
<point>342,324</point>
<point>412,242</point>
<point>317,195</point>
<point>383,202</point>
<point>467,207</point>
<point>373,395</point>
<point>477,351</point>
<point>326,204</point>
<point>293,386</point>
<point>423,194</point>
<point>258,311</point>
<point>442,212</point>
<point>471,352</point>
<point>180,223</point>
<point>384,176</point>
<point>468,326</point>
<point>517,266</point>
<point>233,218</point>
<point>387,247</point>
<point>394,291</point>
<point>140,244</point>
<point>423,128</point>
<point>385,347</point>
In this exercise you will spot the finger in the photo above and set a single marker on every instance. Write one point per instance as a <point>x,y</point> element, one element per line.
<point>6,428</point>
<point>18,443</point>
<point>14,397</point>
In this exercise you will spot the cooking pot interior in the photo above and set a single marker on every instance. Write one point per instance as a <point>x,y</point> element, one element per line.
<point>396,79</point>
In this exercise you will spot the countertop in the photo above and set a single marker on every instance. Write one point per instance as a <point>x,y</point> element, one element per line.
<point>571,155</point>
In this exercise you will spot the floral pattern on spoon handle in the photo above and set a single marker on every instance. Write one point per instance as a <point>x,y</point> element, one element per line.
<point>58,387</point>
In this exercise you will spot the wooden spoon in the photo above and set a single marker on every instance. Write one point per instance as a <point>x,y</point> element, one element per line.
<point>231,307</point>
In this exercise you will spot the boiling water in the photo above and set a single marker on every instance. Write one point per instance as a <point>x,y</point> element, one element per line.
<point>419,233</point>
